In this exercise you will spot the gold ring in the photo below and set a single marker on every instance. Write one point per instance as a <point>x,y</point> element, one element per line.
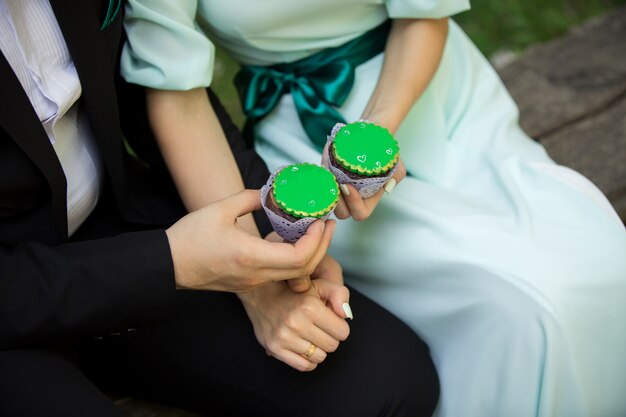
<point>310,351</point>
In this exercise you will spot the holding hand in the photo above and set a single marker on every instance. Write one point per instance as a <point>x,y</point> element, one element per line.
<point>212,252</point>
<point>351,204</point>
<point>299,329</point>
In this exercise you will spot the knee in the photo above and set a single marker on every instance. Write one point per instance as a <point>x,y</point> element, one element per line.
<point>395,372</point>
<point>500,307</point>
<point>406,383</point>
<point>413,388</point>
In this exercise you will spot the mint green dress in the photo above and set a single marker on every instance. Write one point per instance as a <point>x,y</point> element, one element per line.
<point>512,268</point>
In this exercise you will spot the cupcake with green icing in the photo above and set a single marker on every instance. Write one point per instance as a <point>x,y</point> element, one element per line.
<point>363,155</point>
<point>297,195</point>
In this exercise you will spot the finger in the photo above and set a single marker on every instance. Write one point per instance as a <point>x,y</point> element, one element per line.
<point>281,261</point>
<point>361,208</point>
<point>324,341</point>
<point>341,210</point>
<point>372,202</point>
<point>400,173</point>
<point>318,356</point>
<point>313,352</point>
<point>390,185</point>
<point>329,269</point>
<point>325,156</point>
<point>244,202</point>
<point>303,334</point>
<point>299,284</point>
<point>334,326</point>
<point>313,236</point>
<point>327,236</point>
<point>288,257</point>
<point>295,360</point>
<point>274,237</point>
<point>398,176</point>
<point>329,323</point>
<point>338,296</point>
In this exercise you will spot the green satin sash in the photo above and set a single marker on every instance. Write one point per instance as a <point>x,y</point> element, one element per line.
<point>318,83</point>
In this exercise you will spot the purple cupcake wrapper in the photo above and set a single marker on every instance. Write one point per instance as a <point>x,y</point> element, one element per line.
<point>290,231</point>
<point>367,186</point>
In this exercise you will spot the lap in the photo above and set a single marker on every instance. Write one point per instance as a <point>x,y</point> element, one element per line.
<point>46,381</point>
<point>207,359</point>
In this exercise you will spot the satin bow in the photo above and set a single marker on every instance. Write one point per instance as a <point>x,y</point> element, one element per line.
<point>319,84</point>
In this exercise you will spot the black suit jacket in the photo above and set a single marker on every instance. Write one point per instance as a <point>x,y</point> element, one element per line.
<point>55,288</point>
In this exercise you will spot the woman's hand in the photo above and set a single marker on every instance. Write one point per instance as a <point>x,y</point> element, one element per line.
<point>351,204</point>
<point>399,86</point>
<point>328,269</point>
<point>287,323</point>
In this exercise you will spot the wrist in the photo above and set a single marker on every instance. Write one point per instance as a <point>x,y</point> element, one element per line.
<point>255,296</point>
<point>382,118</point>
<point>248,297</point>
<point>253,300</point>
<point>181,277</point>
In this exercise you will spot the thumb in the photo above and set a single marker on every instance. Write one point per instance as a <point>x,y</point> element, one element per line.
<point>337,296</point>
<point>299,284</point>
<point>325,161</point>
<point>243,202</point>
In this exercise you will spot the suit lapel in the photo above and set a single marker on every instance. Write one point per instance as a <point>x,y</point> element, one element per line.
<point>78,20</point>
<point>19,120</point>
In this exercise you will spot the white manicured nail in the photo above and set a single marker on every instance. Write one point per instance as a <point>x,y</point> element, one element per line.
<point>347,310</point>
<point>391,184</point>
<point>344,189</point>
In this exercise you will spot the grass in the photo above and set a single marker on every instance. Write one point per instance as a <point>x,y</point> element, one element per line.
<point>515,24</point>
<point>494,25</point>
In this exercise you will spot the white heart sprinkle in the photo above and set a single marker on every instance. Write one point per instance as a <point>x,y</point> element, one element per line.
<point>389,151</point>
<point>295,169</point>
<point>312,202</point>
<point>333,191</point>
<point>361,158</point>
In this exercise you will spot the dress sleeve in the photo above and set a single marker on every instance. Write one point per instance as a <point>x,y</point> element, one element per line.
<point>428,9</point>
<point>165,48</point>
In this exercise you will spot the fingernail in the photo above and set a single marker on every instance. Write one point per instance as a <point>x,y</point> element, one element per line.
<point>344,189</point>
<point>346,309</point>
<point>391,184</point>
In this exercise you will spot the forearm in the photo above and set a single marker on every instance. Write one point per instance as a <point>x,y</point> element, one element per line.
<point>195,148</point>
<point>87,288</point>
<point>412,56</point>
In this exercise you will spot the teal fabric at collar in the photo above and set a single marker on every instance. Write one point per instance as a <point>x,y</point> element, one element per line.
<point>112,11</point>
<point>318,84</point>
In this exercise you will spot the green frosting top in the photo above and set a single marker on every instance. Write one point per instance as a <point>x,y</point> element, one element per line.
<point>365,148</point>
<point>305,190</point>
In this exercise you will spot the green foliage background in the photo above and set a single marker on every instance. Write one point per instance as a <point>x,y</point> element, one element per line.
<point>494,25</point>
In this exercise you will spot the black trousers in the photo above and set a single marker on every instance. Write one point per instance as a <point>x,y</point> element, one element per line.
<point>206,358</point>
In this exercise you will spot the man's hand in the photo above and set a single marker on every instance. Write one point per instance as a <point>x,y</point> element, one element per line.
<point>328,269</point>
<point>287,323</point>
<point>212,252</point>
